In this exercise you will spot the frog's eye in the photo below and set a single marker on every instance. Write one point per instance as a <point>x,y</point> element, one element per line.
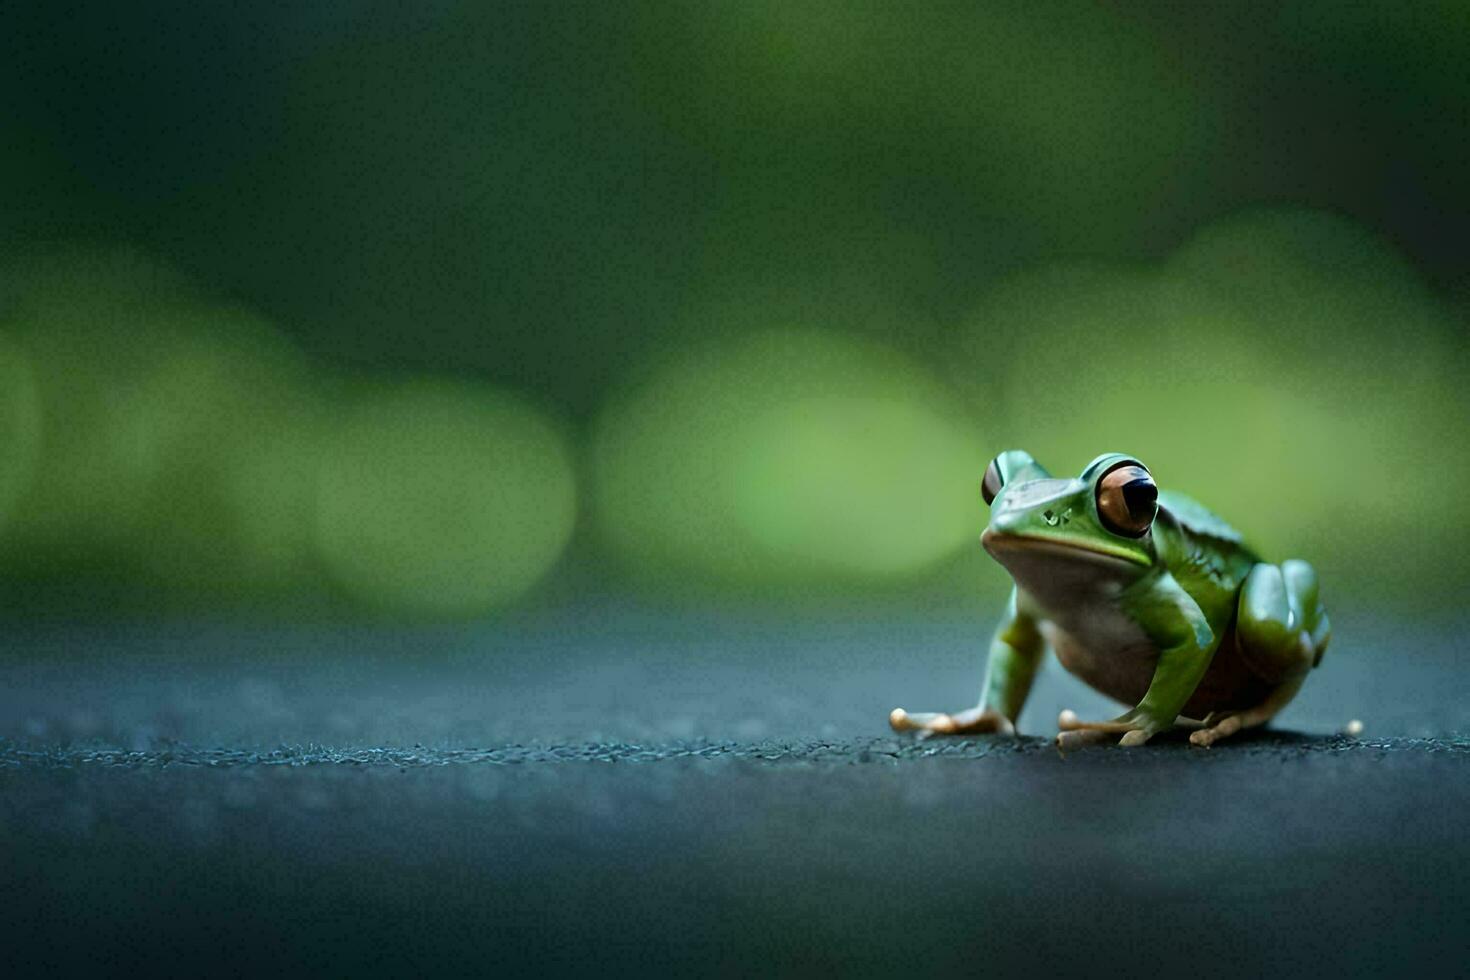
<point>1127,500</point>
<point>990,486</point>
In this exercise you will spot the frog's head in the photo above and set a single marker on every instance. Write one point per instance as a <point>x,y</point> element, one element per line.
<point>1094,527</point>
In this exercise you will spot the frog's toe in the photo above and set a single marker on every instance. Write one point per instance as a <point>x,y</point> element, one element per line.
<point>1221,728</point>
<point>903,721</point>
<point>1068,721</point>
<point>1080,738</point>
<point>973,721</point>
<point>1134,727</point>
<point>923,722</point>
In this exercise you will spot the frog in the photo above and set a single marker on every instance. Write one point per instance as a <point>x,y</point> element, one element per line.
<point>1146,596</point>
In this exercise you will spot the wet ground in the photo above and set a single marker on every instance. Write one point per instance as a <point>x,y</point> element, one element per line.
<point>615,790</point>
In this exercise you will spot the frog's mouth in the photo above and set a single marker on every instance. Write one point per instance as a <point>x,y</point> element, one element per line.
<point>1002,544</point>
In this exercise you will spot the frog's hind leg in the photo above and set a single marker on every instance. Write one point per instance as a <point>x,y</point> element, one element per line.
<point>1225,724</point>
<point>1306,602</point>
<point>1281,632</point>
<point>1281,627</point>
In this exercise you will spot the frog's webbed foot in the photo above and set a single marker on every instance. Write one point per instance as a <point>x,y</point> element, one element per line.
<point>973,721</point>
<point>1224,724</point>
<point>1134,728</point>
<point>1216,727</point>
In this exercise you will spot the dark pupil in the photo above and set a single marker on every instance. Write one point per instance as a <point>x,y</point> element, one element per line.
<point>991,483</point>
<point>1140,496</point>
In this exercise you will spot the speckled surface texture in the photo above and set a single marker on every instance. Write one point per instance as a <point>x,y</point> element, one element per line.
<point>616,791</point>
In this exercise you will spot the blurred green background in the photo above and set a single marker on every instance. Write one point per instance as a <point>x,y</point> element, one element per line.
<point>431,311</point>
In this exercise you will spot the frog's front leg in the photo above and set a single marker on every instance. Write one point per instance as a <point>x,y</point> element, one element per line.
<point>1015,652</point>
<point>1177,626</point>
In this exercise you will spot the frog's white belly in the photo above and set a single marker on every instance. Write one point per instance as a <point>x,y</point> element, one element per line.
<point>1077,603</point>
<point>1107,651</point>
<point>1077,600</point>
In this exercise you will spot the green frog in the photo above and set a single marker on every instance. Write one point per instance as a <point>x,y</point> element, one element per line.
<point>1147,597</point>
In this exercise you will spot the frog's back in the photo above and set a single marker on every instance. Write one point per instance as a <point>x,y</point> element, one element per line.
<point>1200,520</point>
<point>1211,558</point>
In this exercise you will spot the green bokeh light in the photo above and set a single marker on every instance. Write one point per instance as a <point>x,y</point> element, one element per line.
<point>788,455</point>
<point>684,175</point>
<point>440,499</point>
<point>221,430</point>
<point>20,426</point>
<point>157,407</point>
<point>1248,371</point>
<point>1292,277</point>
<point>93,322</point>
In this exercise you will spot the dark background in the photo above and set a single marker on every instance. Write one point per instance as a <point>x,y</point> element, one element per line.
<point>474,477</point>
<point>736,300</point>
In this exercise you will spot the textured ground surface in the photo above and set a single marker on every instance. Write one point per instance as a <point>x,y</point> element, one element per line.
<point>612,791</point>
